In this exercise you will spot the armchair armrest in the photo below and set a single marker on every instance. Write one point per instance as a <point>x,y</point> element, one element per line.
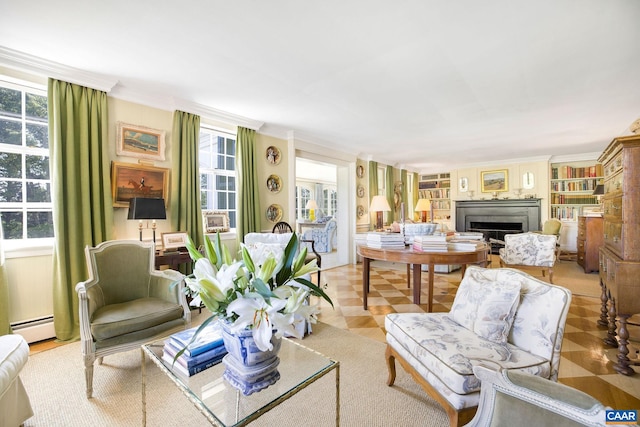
<point>169,285</point>
<point>313,249</point>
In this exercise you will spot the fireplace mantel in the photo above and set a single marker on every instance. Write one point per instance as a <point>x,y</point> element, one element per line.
<point>525,211</point>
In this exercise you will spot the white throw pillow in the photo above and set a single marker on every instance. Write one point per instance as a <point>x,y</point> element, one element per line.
<point>486,306</point>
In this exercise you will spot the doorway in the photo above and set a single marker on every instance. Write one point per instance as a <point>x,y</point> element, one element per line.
<point>324,181</point>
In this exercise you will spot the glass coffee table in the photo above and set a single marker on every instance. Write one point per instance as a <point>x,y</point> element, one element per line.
<point>223,405</point>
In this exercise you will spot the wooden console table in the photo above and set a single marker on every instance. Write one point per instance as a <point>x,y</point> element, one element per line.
<point>417,258</point>
<point>172,259</point>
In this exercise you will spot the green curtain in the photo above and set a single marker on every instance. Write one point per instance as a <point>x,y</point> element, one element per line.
<point>389,194</point>
<point>416,194</point>
<point>373,180</point>
<point>81,193</point>
<point>248,203</point>
<point>186,213</point>
<point>5,324</point>
<point>404,199</point>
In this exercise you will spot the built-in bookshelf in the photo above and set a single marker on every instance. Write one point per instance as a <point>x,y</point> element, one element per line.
<point>572,186</point>
<point>437,188</point>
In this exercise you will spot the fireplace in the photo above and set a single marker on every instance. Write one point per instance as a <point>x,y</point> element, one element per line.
<point>495,218</point>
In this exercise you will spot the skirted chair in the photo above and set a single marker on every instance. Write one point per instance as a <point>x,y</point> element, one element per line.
<point>509,397</point>
<point>500,317</point>
<point>323,238</point>
<point>126,302</point>
<point>15,407</point>
<point>530,250</point>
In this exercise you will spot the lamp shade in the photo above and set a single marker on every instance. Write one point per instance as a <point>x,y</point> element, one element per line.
<point>599,191</point>
<point>423,205</point>
<point>311,204</point>
<point>145,208</point>
<point>379,204</point>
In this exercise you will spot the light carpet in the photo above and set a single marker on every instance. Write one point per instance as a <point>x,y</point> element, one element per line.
<point>54,380</point>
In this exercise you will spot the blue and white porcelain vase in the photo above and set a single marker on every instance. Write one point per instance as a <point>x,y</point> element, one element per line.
<point>248,368</point>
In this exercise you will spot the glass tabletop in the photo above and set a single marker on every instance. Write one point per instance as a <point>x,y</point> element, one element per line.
<point>224,405</point>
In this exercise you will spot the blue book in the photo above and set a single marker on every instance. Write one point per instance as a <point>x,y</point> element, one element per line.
<point>210,337</point>
<point>194,369</point>
<point>171,348</point>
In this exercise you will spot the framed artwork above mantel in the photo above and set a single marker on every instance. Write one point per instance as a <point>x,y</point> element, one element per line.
<point>494,181</point>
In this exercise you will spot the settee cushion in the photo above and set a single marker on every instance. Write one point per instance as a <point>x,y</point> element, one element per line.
<point>140,314</point>
<point>487,306</point>
<point>443,348</point>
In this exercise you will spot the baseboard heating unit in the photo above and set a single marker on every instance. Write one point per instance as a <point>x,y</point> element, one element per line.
<point>35,330</point>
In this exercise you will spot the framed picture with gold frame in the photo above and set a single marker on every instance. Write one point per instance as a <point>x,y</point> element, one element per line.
<point>494,181</point>
<point>129,180</point>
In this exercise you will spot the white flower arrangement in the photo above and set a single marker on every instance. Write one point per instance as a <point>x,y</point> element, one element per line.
<point>268,294</point>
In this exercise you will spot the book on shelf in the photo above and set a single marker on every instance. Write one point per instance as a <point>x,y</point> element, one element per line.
<point>170,348</point>
<point>210,337</point>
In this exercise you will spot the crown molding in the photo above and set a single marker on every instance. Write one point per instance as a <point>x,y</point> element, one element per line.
<point>31,64</point>
<point>24,62</point>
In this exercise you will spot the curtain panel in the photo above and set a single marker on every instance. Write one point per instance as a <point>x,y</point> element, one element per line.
<point>81,192</point>
<point>185,208</point>
<point>389,193</point>
<point>248,203</point>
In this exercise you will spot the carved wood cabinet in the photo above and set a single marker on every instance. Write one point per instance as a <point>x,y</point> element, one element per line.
<point>589,240</point>
<point>620,254</point>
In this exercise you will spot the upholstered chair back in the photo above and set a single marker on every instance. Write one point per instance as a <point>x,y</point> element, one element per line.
<point>529,249</point>
<point>122,271</point>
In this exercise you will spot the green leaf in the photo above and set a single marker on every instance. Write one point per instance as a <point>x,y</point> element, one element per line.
<point>315,290</point>
<point>193,251</point>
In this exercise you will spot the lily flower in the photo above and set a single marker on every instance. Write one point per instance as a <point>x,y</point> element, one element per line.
<point>259,315</point>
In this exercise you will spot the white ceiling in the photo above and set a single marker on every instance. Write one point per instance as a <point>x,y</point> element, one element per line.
<point>427,85</point>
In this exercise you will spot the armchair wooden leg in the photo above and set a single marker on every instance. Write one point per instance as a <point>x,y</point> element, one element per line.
<point>88,376</point>
<point>391,366</point>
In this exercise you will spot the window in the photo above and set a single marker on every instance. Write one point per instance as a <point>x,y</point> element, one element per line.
<point>217,157</point>
<point>25,182</point>
<point>303,195</point>
<point>330,201</point>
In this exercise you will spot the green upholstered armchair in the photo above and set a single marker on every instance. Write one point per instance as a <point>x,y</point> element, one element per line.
<point>510,398</point>
<point>126,302</point>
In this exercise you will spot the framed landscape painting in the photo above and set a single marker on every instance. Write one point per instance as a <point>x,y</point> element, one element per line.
<point>129,180</point>
<point>494,181</point>
<point>140,142</point>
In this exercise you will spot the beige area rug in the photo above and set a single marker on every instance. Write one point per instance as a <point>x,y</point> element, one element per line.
<point>54,380</point>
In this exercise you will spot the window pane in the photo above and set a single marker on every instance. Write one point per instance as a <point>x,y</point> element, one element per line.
<point>37,135</point>
<point>232,199</point>
<point>36,106</point>
<point>10,191</point>
<point>38,192</point>
<point>10,165</point>
<point>220,162</point>
<point>231,147</point>
<point>221,182</point>
<point>204,155</point>
<point>37,167</point>
<point>10,102</point>
<point>12,225</point>
<point>10,132</point>
<point>204,200</point>
<point>231,183</point>
<point>222,200</point>
<point>232,219</point>
<point>39,225</point>
<point>231,163</point>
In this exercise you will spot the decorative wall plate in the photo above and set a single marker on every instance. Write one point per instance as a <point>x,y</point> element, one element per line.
<point>360,211</point>
<point>360,171</point>
<point>274,213</point>
<point>273,155</point>
<point>274,183</point>
<point>360,191</point>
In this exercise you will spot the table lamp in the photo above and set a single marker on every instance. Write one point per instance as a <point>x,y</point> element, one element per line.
<point>145,208</point>
<point>311,206</point>
<point>379,204</point>
<point>423,206</point>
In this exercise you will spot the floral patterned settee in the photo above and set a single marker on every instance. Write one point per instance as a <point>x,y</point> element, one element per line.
<point>500,318</point>
<point>323,237</point>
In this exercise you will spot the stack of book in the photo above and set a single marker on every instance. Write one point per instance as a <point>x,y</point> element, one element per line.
<point>207,349</point>
<point>436,242</point>
<point>465,245</point>
<point>385,240</point>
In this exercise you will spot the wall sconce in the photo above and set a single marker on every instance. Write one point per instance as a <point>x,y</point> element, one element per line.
<point>423,206</point>
<point>144,208</point>
<point>311,206</point>
<point>379,204</point>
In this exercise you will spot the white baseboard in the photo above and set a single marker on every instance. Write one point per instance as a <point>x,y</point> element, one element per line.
<point>36,329</point>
